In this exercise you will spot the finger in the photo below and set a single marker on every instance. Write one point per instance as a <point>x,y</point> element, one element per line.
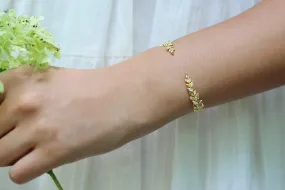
<point>33,165</point>
<point>15,145</point>
<point>17,106</point>
<point>8,120</point>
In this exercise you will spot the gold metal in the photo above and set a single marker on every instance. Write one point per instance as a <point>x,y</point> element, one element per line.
<point>169,46</point>
<point>193,94</point>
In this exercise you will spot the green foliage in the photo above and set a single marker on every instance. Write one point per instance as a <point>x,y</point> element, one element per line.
<point>23,41</point>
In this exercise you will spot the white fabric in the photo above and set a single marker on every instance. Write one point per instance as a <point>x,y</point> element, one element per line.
<point>237,146</point>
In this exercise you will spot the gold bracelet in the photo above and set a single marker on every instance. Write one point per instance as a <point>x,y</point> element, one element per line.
<point>169,47</point>
<point>194,95</point>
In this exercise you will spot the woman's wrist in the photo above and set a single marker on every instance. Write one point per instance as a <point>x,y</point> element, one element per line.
<point>157,91</point>
<point>165,75</point>
<point>227,61</point>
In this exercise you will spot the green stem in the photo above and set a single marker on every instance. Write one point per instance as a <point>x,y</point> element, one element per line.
<point>55,180</point>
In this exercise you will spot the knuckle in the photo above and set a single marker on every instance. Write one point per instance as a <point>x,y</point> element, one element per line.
<point>43,131</point>
<point>40,131</point>
<point>53,151</point>
<point>58,148</point>
<point>28,102</point>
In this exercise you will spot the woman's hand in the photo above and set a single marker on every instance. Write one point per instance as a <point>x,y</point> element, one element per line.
<point>59,116</point>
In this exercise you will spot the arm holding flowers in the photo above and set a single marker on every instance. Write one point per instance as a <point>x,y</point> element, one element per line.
<point>53,117</point>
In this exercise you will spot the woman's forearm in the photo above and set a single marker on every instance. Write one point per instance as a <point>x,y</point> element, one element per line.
<point>62,115</point>
<point>237,58</point>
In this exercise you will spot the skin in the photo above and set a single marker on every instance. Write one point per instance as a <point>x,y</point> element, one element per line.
<point>63,115</point>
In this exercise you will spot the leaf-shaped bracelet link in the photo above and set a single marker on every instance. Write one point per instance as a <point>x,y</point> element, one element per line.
<point>169,46</point>
<point>193,94</point>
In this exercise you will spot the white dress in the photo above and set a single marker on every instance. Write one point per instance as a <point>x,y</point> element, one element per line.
<point>236,146</point>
